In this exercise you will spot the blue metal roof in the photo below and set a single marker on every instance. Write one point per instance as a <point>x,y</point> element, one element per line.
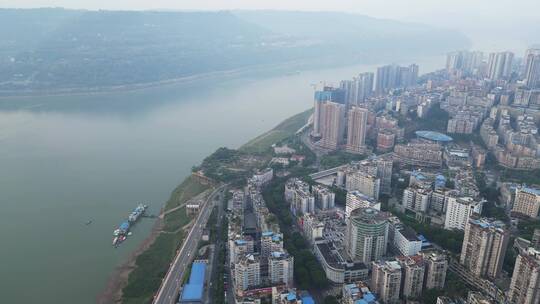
<point>291,296</point>
<point>435,136</point>
<point>531,190</point>
<point>194,289</point>
<point>369,297</point>
<point>192,292</point>
<point>267,233</point>
<point>197,273</point>
<point>307,300</point>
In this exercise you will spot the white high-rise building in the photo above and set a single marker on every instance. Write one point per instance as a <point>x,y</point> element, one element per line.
<point>247,273</point>
<point>271,242</point>
<point>281,268</point>
<point>484,247</point>
<point>367,234</point>
<point>364,182</point>
<point>324,198</point>
<point>500,65</point>
<point>412,275</point>
<point>436,267</point>
<point>463,61</point>
<point>356,199</point>
<point>356,130</point>
<point>298,195</point>
<point>525,284</point>
<point>416,199</point>
<point>330,124</point>
<point>527,201</point>
<point>358,89</point>
<point>458,211</point>
<point>532,68</point>
<point>313,228</point>
<point>386,280</point>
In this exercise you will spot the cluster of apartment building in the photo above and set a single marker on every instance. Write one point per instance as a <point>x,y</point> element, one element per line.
<point>418,153</point>
<point>500,97</point>
<point>428,196</point>
<point>304,198</point>
<point>344,116</point>
<point>259,265</point>
<point>372,176</point>
<point>514,147</point>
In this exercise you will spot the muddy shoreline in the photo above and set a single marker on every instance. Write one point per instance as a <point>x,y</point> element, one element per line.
<point>118,279</point>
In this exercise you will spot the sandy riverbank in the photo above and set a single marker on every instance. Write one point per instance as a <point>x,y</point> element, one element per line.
<point>118,279</point>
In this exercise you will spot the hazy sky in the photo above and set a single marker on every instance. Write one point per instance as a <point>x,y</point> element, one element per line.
<point>505,20</point>
<point>379,8</point>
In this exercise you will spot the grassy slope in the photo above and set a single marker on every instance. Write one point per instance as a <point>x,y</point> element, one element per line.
<point>288,127</point>
<point>151,266</point>
<point>186,190</point>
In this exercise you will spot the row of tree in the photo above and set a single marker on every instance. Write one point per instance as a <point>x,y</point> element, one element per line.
<point>308,273</point>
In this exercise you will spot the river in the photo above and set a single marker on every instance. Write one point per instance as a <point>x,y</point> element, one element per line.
<point>70,159</point>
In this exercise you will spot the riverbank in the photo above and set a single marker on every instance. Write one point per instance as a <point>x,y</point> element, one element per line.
<point>131,283</point>
<point>135,280</point>
<point>287,68</point>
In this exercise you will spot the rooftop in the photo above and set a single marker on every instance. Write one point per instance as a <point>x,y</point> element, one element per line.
<point>194,289</point>
<point>328,255</point>
<point>369,216</point>
<point>434,136</point>
<point>409,234</point>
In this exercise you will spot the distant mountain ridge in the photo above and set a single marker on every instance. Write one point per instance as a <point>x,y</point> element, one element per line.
<point>57,49</point>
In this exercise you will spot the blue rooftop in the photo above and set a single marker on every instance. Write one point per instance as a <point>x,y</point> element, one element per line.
<point>425,242</point>
<point>418,175</point>
<point>267,233</point>
<point>276,238</point>
<point>307,300</point>
<point>192,292</point>
<point>240,242</point>
<point>194,289</point>
<point>369,297</point>
<point>291,296</point>
<point>197,273</point>
<point>531,190</point>
<point>434,136</point>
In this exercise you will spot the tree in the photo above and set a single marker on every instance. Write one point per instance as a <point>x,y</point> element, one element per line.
<point>330,300</point>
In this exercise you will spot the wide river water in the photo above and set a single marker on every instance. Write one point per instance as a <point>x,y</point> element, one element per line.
<point>67,160</point>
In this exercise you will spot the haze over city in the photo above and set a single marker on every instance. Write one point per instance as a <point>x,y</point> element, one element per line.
<point>284,152</point>
<point>490,24</point>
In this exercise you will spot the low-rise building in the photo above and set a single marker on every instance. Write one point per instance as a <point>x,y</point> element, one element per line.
<point>336,268</point>
<point>358,292</point>
<point>406,241</point>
